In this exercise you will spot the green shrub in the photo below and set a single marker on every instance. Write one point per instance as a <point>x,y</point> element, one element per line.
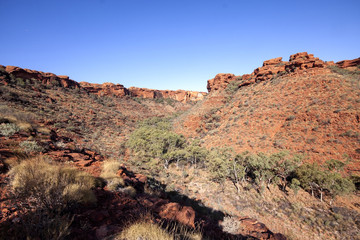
<point>317,181</point>
<point>232,87</point>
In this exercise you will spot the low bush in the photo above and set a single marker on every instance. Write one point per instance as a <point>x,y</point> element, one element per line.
<point>31,146</point>
<point>8,129</point>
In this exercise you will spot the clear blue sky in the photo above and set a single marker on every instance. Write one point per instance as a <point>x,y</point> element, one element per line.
<point>171,44</point>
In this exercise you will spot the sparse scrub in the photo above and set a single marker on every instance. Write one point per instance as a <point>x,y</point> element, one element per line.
<point>31,146</point>
<point>50,185</point>
<point>8,129</point>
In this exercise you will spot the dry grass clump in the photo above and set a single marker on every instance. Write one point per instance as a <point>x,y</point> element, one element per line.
<point>151,231</point>
<point>144,230</point>
<point>109,174</point>
<point>50,185</point>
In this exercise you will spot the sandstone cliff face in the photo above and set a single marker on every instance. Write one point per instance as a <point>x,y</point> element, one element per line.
<point>120,91</point>
<point>105,89</point>
<point>178,95</point>
<point>32,75</point>
<point>11,72</point>
<point>297,64</point>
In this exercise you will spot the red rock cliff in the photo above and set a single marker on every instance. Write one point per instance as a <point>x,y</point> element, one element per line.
<point>32,75</point>
<point>121,91</point>
<point>297,64</point>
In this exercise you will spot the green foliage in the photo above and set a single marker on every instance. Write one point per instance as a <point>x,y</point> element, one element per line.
<point>232,87</point>
<point>154,139</point>
<point>219,163</point>
<point>313,179</point>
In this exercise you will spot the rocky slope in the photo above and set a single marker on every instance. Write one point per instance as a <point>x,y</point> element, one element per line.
<point>114,210</point>
<point>306,106</point>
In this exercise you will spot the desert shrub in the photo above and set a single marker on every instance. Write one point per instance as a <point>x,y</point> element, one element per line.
<point>129,190</point>
<point>109,174</point>
<point>8,129</point>
<point>231,225</point>
<point>219,163</point>
<point>318,181</point>
<point>151,231</point>
<point>30,146</point>
<point>50,185</point>
<point>232,87</point>
<point>154,139</point>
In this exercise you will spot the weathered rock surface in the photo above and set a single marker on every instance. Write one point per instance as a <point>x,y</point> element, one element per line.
<point>9,73</point>
<point>105,89</point>
<point>271,68</point>
<point>349,63</point>
<point>220,81</point>
<point>120,91</point>
<point>33,76</point>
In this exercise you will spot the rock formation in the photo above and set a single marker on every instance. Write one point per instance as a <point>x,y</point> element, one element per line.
<point>120,91</point>
<point>297,63</point>
<point>33,76</point>
<point>349,63</point>
<point>12,73</point>
<point>220,81</point>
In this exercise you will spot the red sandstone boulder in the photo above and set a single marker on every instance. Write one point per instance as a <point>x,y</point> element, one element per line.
<point>220,81</point>
<point>174,211</point>
<point>273,61</point>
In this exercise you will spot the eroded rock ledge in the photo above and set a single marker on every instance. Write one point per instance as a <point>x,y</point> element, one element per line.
<point>120,91</point>
<point>298,63</point>
<point>12,73</point>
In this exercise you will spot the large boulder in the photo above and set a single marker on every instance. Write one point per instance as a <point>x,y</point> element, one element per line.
<point>176,212</point>
<point>220,81</point>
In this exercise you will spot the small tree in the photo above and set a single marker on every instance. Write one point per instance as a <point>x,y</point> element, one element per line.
<point>285,165</point>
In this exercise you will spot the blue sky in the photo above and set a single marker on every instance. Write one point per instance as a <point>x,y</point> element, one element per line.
<point>171,44</point>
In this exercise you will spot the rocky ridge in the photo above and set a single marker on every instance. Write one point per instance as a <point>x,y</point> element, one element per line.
<point>297,64</point>
<point>34,76</point>
<point>120,91</point>
<point>105,89</point>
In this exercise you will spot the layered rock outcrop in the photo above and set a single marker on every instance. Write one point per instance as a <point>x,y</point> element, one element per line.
<point>349,63</point>
<point>105,89</point>
<point>178,95</point>
<point>297,63</point>
<point>220,81</point>
<point>12,72</point>
<point>120,91</point>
